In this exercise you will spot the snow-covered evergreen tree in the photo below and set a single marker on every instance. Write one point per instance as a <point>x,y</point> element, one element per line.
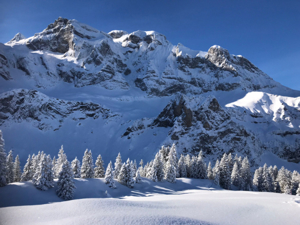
<point>164,153</point>
<point>275,172</point>
<point>246,177</point>
<point>284,180</point>
<point>182,167</point>
<point>258,179</point>
<point>130,177</point>
<point>235,175</point>
<point>142,163</point>
<point>17,170</point>
<point>157,170</point>
<point>87,167</point>
<point>76,168</point>
<point>122,178</point>
<point>216,173</point>
<point>295,182</point>
<point>225,176</point>
<point>43,177</point>
<point>65,184</point>
<point>109,176</point>
<point>2,162</point>
<point>268,185</point>
<point>230,162</point>
<point>298,190</point>
<point>60,160</point>
<point>149,170</point>
<point>187,160</point>
<point>34,165</point>
<point>138,178</point>
<point>210,174</point>
<point>200,167</point>
<point>99,169</point>
<point>9,168</point>
<point>134,167</point>
<point>27,173</point>
<point>118,165</point>
<point>171,166</point>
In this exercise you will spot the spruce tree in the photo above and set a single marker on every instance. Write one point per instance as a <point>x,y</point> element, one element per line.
<point>258,179</point>
<point>2,162</point>
<point>182,167</point>
<point>60,160</point>
<point>134,167</point>
<point>188,163</point>
<point>27,173</point>
<point>298,191</point>
<point>210,174</point>
<point>138,177</point>
<point>122,178</point>
<point>157,170</point>
<point>200,167</point>
<point>87,167</point>
<point>43,174</point>
<point>171,166</point>
<point>284,180</point>
<point>225,173</point>
<point>34,165</point>
<point>99,169</point>
<point>9,168</point>
<point>267,180</point>
<point>295,182</point>
<point>65,184</point>
<point>118,165</point>
<point>109,176</point>
<point>216,173</point>
<point>76,168</point>
<point>230,163</point>
<point>246,177</point>
<point>235,175</point>
<point>17,170</point>
<point>129,171</point>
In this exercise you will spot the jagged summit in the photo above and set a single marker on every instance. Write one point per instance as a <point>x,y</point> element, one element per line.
<point>17,38</point>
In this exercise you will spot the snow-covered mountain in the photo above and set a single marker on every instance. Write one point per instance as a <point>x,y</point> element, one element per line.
<point>132,92</point>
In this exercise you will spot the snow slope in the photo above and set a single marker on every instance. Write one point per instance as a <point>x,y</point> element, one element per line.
<point>189,201</point>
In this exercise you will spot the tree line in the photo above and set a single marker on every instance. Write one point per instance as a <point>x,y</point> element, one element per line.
<point>228,173</point>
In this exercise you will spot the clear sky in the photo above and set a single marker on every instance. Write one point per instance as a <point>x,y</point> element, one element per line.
<point>265,32</point>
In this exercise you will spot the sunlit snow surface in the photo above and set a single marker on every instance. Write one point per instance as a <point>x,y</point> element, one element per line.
<point>189,201</point>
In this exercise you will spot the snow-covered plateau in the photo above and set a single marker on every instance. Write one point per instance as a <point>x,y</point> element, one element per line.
<point>189,201</point>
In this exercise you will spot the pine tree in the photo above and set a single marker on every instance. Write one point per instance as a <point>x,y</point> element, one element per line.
<point>188,163</point>
<point>87,168</point>
<point>27,173</point>
<point>193,167</point>
<point>258,179</point>
<point>298,190</point>
<point>284,179</point>
<point>34,165</point>
<point>122,178</point>
<point>50,171</point>
<point>129,171</point>
<point>275,172</point>
<point>230,163</point>
<point>157,170</point>
<point>109,176</point>
<point>138,177</point>
<point>141,163</point>
<point>9,168</point>
<point>225,173</point>
<point>149,170</point>
<point>134,167</point>
<point>118,165</point>
<point>216,173</point>
<point>235,175</point>
<point>99,169</point>
<point>210,174</point>
<point>267,180</point>
<point>200,167</point>
<point>2,162</point>
<point>171,166</point>
<point>246,177</point>
<point>43,174</point>
<point>76,168</point>
<point>295,182</point>
<point>182,167</point>
<point>60,160</point>
<point>17,170</point>
<point>65,184</point>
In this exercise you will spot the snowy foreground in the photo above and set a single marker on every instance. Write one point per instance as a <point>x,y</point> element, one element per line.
<point>189,201</point>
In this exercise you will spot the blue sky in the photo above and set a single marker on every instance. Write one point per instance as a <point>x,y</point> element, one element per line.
<point>265,32</point>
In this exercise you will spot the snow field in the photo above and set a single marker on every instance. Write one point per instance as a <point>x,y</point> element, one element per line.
<point>189,201</point>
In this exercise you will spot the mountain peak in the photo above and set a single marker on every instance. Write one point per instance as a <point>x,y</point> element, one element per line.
<point>17,38</point>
